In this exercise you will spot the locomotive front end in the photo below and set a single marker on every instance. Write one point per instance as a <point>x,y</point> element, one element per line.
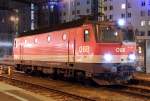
<point>117,50</point>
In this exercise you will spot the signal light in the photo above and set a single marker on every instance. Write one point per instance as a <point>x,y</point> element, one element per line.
<point>139,50</point>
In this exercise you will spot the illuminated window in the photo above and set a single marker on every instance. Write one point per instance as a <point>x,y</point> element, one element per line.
<point>123,6</point>
<point>49,38</point>
<point>149,23</point>
<point>52,8</point>
<point>143,23</point>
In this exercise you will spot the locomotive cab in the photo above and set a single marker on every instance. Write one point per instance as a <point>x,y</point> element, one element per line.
<point>116,49</point>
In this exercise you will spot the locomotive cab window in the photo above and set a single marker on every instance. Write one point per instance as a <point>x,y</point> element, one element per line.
<point>64,37</point>
<point>128,35</point>
<point>107,34</point>
<point>86,35</point>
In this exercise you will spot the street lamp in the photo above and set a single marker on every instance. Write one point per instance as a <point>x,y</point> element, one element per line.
<point>15,20</point>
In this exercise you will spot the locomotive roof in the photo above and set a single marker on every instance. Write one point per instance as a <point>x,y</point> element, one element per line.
<point>54,28</point>
<point>73,24</point>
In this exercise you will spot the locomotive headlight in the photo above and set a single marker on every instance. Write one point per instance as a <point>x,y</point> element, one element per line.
<point>132,57</point>
<point>108,57</point>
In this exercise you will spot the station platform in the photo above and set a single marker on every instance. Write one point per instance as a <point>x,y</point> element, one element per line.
<point>142,76</point>
<point>11,93</point>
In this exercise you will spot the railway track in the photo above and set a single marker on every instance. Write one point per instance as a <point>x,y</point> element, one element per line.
<point>141,82</point>
<point>49,92</point>
<point>138,90</point>
<point>132,90</point>
<point>20,80</point>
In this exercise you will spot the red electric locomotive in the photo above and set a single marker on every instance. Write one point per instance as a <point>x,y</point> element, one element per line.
<point>100,51</point>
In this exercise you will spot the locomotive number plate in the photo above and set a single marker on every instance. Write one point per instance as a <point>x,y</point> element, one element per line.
<point>84,49</point>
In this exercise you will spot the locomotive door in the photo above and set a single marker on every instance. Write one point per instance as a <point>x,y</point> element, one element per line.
<point>71,48</point>
<point>20,53</point>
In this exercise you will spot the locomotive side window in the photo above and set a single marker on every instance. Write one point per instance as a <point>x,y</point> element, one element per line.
<point>49,38</point>
<point>64,37</point>
<point>25,41</point>
<point>86,35</point>
<point>35,40</point>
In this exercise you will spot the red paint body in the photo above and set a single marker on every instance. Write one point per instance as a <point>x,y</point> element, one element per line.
<point>75,40</point>
<point>86,56</point>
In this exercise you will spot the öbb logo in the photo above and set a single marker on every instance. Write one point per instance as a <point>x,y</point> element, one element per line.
<point>120,50</point>
<point>84,49</point>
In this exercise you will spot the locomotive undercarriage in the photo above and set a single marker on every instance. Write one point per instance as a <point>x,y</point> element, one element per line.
<point>123,73</point>
<point>79,72</point>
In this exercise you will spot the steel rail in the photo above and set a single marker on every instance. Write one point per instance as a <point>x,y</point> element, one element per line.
<point>53,90</point>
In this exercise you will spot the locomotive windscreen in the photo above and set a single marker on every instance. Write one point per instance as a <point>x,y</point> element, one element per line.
<point>111,34</point>
<point>128,35</point>
<point>107,34</point>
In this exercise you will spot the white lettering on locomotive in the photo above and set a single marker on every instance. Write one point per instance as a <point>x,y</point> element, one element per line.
<point>120,50</point>
<point>84,49</point>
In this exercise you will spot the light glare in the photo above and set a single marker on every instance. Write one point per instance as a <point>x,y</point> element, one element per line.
<point>132,57</point>
<point>108,57</point>
<point>5,44</point>
<point>121,22</point>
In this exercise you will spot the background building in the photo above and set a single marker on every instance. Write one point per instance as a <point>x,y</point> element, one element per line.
<point>48,13</point>
<point>74,9</point>
<point>135,13</point>
<point>15,17</point>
